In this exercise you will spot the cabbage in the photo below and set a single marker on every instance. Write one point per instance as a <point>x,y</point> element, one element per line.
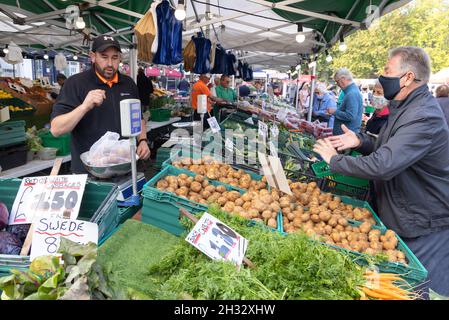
<point>9,243</point>
<point>19,230</point>
<point>4,216</point>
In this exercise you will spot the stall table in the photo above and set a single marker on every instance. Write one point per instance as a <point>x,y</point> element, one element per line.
<point>31,167</point>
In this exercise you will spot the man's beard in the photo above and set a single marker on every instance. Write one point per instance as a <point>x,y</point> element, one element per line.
<point>109,74</point>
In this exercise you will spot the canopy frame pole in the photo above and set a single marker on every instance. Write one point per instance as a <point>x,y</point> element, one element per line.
<point>312,92</point>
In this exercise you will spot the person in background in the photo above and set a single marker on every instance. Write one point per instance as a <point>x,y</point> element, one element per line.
<point>322,101</point>
<point>408,163</point>
<point>244,90</point>
<point>380,115</point>
<point>213,86</point>
<point>259,88</point>
<point>304,96</point>
<point>350,111</point>
<point>145,87</point>
<point>365,95</point>
<point>442,94</point>
<point>60,79</point>
<point>224,92</point>
<point>200,87</point>
<point>183,86</point>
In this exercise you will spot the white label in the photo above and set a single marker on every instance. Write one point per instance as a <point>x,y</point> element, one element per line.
<point>217,240</point>
<point>213,124</point>
<point>4,114</point>
<point>47,233</point>
<point>267,170</point>
<point>229,145</point>
<point>282,114</point>
<point>279,174</point>
<point>249,120</point>
<point>273,149</point>
<point>17,87</point>
<point>263,129</point>
<point>274,130</point>
<point>51,196</point>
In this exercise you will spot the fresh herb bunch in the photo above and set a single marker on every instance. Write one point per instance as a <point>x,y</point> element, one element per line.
<point>287,267</point>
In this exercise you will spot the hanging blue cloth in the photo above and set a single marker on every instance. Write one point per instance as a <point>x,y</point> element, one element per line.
<point>230,61</point>
<point>202,49</point>
<point>220,64</point>
<point>169,50</point>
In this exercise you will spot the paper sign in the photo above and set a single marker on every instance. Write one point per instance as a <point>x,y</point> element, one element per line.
<point>16,87</point>
<point>279,174</point>
<point>213,124</point>
<point>273,149</point>
<point>274,130</point>
<point>229,145</point>
<point>282,114</point>
<point>263,129</point>
<point>47,234</point>
<point>4,114</point>
<point>217,240</point>
<point>267,170</point>
<point>249,120</point>
<point>52,196</point>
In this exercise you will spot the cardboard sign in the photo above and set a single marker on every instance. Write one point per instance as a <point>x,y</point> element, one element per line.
<point>279,174</point>
<point>51,196</point>
<point>213,124</point>
<point>47,234</point>
<point>217,240</point>
<point>4,114</point>
<point>266,169</point>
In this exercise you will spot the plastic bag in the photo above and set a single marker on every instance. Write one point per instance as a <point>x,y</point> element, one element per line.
<point>109,150</point>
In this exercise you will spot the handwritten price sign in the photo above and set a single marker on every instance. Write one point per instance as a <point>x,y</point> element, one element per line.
<point>52,196</point>
<point>47,234</point>
<point>217,240</point>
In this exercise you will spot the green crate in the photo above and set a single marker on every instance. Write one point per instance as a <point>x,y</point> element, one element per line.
<point>126,213</point>
<point>12,132</point>
<point>16,102</point>
<point>99,205</point>
<point>160,114</point>
<point>162,154</point>
<point>62,142</point>
<point>322,170</point>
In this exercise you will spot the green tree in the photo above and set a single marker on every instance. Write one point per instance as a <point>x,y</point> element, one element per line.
<point>422,23</point>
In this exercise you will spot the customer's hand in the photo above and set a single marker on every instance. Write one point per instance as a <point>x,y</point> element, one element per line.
<point>331,111</point>
<point>143,151</point>
<point>94,99</point>
<point>348,140</point>
<point>325,149</point>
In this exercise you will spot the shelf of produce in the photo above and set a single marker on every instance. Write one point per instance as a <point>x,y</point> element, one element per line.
<point>31,167</point>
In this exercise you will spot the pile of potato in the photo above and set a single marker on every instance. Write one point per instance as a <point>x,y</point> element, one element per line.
<point>215,170</point>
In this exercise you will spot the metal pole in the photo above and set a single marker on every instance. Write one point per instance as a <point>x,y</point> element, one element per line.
<point>207,18</point>
<point>133,60</point>
<point>312,90</point>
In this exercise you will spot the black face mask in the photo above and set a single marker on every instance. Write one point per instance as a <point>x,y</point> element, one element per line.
<point>391,86</point>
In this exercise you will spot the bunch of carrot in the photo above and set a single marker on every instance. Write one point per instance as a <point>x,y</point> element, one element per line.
<point>386,286</point>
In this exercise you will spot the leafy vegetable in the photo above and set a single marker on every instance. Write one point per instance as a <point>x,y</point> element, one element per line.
<point>9,243</point>
<point>287,267</point>
<point>78,277</point>
<point>34,142</point>
<point>19,230</point>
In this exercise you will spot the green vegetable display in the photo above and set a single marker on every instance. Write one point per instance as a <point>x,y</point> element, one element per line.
<point>287,267</point>
<point>80,277</point>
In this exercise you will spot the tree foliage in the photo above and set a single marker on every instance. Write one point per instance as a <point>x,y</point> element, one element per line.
<point>422,23</point>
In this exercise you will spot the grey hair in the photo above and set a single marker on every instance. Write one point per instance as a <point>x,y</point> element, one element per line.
<point>343,73</point>
<point>414,59</point>
<point>378,84</point>
<point>321,87</point>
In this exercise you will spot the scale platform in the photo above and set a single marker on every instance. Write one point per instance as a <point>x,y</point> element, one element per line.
<point>124,184</point>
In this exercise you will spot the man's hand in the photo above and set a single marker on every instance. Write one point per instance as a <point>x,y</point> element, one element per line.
<point>348,140</point>
<point>94,99</point>
<point>331,111</point>
<point>143,151</point>
<point>324,148</point>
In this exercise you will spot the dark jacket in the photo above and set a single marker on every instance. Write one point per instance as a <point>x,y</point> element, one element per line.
<point>350,111</point>
<point>444,104</point>
<point>409,164</point>
<point>376,123</point>
<point>145,88</point>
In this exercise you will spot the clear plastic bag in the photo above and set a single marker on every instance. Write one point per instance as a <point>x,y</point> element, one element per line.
<point>109,150</point>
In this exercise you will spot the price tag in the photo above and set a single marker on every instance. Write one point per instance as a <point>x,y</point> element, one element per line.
<point>47,234</point>
<point>273,149</point>
<point>279,174</point>
<point>4,114</point>
<point>267,172</point>
<point>217,240</point>
<point>282,114</point>
<point>16,87</point>
<point>249,120</point>
<point>263,129</point>
<point>274,130</point>
<point>213,124</point>
<point>52,196</point>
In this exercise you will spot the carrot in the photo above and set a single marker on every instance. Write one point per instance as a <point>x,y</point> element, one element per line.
<point>374,294</point>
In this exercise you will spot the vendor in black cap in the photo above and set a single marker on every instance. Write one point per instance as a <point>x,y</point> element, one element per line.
<point>89,102</point>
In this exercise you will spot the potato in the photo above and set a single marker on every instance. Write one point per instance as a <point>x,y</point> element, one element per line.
<point>314,210</point>
<point>315,218</point>
<point>229,206</point>
<point>199,178</point>
<point>247,205</point>
<point>343,222</point>
<point>343,235</point>
<point>272,223</point>
<point>377,246</point>
<point>328,229</point>
<point>390,244</point>
<point>325,215</point>
<point>370,251</point>
<point>220,189</point>
<point>233,195</point>
<point>297,222</point>
<point>205,194</point>
<point>205,183</point>
<point>374,232</point>
<point>365,227</point>
<point>194,198</point>
<point>390,234</point>
<point>333,205</point>
<point>400,255</point>
<point>311,233</point>
<point>253,213</point>
<point>345,242</point>
<point>286,211</point>
<point>339,228</point>
<point>183,191</point>
<point>275,206</point>
<point>305,217</point>
<point>162,184</point>
<point>170,189</point>
<point>291,216</point>
<point>335,236</point>
<point>358,214</point>
<point>202,201</point>
<point>196,186</point>
<point>245,214</point>
<point>222,201</point>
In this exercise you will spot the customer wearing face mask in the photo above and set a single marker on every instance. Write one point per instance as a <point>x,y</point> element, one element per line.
<point>380,115</point>
<point>323,101</point>
<point>408,162</point>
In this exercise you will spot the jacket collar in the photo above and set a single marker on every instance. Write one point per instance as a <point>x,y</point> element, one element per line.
<point>349,87</point>
<point>395,104</point>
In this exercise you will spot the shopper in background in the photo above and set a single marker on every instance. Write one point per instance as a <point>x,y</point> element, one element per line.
<point>89,103</point>
<point>304,96</point>
<point>145,87</point>
<point>380,115</point>
<point>244,90</point>
<point>60,80</point>
<point>323,101</point>
<point>213,86</point>
<point>366,94</point>
<point>442,94</point>
<point>200,87</point>
<point>350,111</point>
<point>184,86</point>
<point>227,94</point>
<point>408,162</point>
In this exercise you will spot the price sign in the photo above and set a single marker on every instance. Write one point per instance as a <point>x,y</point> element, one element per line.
<point>249,120</point>
<point>213,124</point>
<point>279,174</point>
<point>229,145</point>
<point>263,129</point>
<point>52,196</point>
<point>282,114</point>
<point>4,114</point>
<point>217,240</point>
<point>274,130</point>
<point>17,88</point>
<point>47,234</point>
<point>273,149</point>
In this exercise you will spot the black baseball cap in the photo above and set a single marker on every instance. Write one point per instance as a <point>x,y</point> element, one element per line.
<point>101,43</point>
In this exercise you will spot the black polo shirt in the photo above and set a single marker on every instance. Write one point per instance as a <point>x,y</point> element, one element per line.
<point>97,121</point>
